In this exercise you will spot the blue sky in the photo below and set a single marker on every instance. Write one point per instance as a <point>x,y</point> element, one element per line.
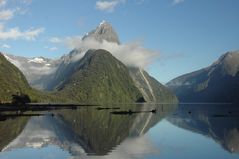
<point>187,34</point>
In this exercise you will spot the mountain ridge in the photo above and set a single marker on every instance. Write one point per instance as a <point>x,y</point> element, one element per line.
<point>216,83</point>
<point>100,77</point>
<point>57,72</point>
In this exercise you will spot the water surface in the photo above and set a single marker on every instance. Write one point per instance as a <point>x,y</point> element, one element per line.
<point>184,131</point>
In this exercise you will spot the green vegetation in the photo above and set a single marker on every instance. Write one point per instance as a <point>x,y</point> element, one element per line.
<point>100,77</point>
<point>97,78</point>
<point>12,81</point>
<point>98,131</point>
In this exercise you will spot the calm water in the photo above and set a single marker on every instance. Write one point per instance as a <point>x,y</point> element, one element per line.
<point>189,131</point>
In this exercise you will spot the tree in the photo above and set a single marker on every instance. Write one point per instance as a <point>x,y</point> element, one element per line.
<point>20,99</point>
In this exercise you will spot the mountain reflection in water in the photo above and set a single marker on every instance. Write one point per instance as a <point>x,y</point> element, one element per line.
<point>92,132</point>
<point>219,122</point>
<point>84,131</point>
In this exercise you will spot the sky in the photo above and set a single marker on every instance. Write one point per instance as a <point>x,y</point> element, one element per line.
<point>185,35</point>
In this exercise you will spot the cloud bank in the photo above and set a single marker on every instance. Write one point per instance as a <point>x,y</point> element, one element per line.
<point>55,40</point>
<point>15,33</point>
<point>131,54</point>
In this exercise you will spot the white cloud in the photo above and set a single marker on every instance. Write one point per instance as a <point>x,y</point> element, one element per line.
<point>6,46</point>
<point>6,14</point>
<point>175,2</point>
<point>73,42</point>
<point>16,33</point>
<point>32,72</point>
<point>131,54</point>
<point>108,6</point>
<point>19,7</point>
<point>31,34</point>
<point>53,48</point>
<point>3,3</point>
<point>55,40</point>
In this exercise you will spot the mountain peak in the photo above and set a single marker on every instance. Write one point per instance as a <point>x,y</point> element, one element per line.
<point>103,22</point>
<point>104,31</point>
<point>105,25</point>
<point>229,62</point>
<point>229,55</point>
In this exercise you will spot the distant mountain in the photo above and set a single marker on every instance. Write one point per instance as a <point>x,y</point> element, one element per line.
<point>216,83</point>
<point>13,82</point>
<point>35,69</point>
<point>99,77</point>
<point>103,32</point>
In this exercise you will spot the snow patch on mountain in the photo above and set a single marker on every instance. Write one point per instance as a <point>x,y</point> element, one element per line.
<point>37,60</point>
<point>102,23</point>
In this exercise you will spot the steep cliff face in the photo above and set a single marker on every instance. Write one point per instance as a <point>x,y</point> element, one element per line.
<point>151,89</point>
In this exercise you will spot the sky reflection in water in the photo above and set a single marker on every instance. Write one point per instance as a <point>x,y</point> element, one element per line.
<point>167,134</point>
